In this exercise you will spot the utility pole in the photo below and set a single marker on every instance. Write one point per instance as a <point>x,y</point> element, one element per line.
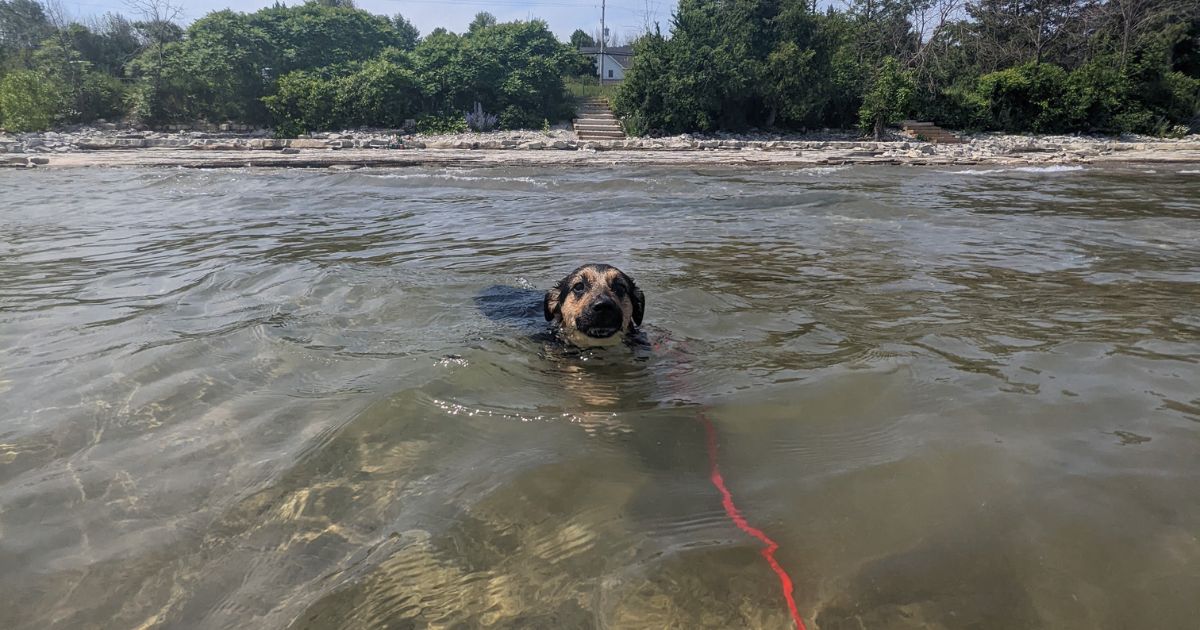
<point>603,36</point>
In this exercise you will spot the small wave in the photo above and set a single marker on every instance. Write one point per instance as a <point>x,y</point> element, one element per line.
<point>820,171</point>
<point>1057,168</point>
<point>1190,172</point>
<point>456,178</point>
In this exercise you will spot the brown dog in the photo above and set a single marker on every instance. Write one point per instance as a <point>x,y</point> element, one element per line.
<point>595,305</point>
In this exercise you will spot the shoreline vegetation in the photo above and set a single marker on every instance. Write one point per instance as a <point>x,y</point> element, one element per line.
<point>720,66</point>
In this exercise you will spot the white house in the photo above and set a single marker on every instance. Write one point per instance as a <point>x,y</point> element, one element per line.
<point>617,59</point>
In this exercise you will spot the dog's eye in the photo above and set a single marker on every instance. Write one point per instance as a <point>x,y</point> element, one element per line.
<point>578,288</point>
<point>619,290</point>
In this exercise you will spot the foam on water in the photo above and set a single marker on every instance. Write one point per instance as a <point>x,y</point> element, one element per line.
<point>1056,168</point>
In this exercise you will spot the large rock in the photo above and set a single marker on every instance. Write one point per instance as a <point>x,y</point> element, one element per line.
<point>308,143</point>
<point>268,144</point>
<point>165,143</point>
<point>102,144</point>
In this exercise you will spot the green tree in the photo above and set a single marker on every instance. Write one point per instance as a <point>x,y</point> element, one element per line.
<point>579,39</point>
<point>1011,32</point>
<point>158,31</point>
<point>85,93</point>
<point>23,26</point>
<point>889,98</point>
<point>407,35</point>
<point>439,64</point>
<point>730,65</point>
<point>514,68</point>
<point>29,101</point>
<point>108,46</point>
<point>313,36</point>
<point>225,62</point>
<point>482,20</point>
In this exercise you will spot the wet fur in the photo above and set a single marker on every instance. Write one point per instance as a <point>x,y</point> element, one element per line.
<point>570,303</point>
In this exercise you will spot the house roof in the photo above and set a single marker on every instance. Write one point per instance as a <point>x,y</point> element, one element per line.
<point>615,51</point>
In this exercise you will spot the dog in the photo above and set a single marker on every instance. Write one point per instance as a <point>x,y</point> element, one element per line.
<point>595,305</point>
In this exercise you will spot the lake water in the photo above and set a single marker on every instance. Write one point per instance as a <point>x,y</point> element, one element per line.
<point>314,399</point>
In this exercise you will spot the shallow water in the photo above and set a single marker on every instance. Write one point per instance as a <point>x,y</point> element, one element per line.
<point>304,399</point>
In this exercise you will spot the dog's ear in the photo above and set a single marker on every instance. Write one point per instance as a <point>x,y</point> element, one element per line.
<point>638,298</point>
<point>553,301</point>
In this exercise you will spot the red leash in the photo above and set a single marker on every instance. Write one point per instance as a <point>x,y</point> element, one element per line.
<point>735,515</point>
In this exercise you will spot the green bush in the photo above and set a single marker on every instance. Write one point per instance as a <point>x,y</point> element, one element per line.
<point>101,96</point>
<point>29,101</point>
<point>956,107</point>
<point>434,124</point>
<point>1029,97</point>
<point>1100,97</point>
<point>1184,99</point>
<point>302,102</point>
<point>514,117</point>
<point>137,102</point>
<point>379,93</point>
<point>634,124</point>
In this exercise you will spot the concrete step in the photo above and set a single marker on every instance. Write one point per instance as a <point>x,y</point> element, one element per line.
<point>595,135</point>
<point>596,121</point>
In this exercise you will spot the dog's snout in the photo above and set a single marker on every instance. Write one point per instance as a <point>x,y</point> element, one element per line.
<point>603,306</point>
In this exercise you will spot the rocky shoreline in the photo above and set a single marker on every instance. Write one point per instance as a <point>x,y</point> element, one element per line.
<point>89,146</point>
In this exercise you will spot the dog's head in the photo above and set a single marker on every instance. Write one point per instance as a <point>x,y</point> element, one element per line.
<point>595,305</point>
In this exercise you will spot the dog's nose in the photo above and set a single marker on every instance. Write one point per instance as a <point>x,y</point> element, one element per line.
<point>604,306</point>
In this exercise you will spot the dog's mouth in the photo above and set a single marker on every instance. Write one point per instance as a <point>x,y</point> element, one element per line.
<point>601,332</point>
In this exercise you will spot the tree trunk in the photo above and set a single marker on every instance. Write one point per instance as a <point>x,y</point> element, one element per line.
<point>771,116</point>
<point>878,128</point>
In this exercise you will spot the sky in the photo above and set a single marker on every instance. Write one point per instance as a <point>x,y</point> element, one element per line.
<point>625,18</point>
